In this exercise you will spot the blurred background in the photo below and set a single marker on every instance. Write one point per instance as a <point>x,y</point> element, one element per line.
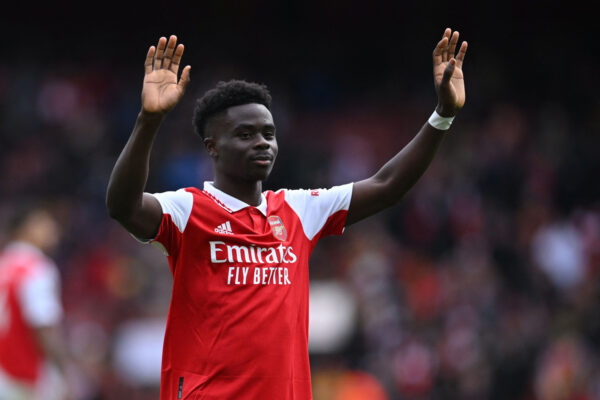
<point>482,284</point>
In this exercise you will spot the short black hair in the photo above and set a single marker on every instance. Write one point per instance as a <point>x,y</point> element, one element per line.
<point>225,95</point>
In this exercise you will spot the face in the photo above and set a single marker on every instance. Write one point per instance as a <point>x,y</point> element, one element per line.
<point>242,142</point>
<point>42,230</point>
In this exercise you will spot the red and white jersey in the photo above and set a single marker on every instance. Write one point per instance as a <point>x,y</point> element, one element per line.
<point>29,298</point>
<point>238,322</point>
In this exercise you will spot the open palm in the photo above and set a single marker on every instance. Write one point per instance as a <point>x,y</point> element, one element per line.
<point>161,90</point>
<point>448,75</point>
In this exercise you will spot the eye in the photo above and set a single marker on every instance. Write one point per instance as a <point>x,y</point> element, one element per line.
<point>244,135</point>
<point>269,134</point>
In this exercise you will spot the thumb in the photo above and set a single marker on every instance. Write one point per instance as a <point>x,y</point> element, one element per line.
<point>185,77</point>
<point>448,71</point>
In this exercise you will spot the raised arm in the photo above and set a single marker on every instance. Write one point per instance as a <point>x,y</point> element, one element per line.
<point>398,175</point>
<point>139,212</point>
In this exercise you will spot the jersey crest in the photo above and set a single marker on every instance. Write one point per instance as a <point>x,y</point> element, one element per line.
<point>277,228</point>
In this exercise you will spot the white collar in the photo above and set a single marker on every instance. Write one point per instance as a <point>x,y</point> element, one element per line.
<point>229,202</point>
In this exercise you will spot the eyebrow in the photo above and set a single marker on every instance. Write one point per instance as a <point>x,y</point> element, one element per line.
<point>252,126</point>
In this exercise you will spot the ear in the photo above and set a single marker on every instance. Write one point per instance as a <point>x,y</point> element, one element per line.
<point>211,146</point>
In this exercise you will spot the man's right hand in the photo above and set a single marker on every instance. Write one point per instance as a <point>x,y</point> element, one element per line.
<point>161,91</point>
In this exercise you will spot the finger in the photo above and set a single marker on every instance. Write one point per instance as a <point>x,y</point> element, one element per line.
<point>185,77</point>
<point>174,67</point>
<point>439,50</point>
<point>453,42</point>
<point>448,72</point>
<point>460,57</point>
<point>169,52</point>
<point>149,59</point>
<point>446,36</point>
<point>160,50</point>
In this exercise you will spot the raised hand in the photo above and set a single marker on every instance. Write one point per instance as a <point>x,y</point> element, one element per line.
<point>447,74</point>
<point>161,90</point>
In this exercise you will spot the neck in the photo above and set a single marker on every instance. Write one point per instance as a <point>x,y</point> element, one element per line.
<point>247,191</point>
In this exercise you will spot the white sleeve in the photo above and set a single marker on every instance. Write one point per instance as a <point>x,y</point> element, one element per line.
<point>314,207</point>
<point>178,205</point>
<point>40,297</point>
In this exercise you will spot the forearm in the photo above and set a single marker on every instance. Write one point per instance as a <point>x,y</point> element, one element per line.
<point>130,173</point>
<point>400,173</point>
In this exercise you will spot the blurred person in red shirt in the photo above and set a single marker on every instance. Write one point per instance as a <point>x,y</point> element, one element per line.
<point>33,355</point>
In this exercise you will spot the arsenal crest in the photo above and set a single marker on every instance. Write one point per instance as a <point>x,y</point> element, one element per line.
<point>277,228</point>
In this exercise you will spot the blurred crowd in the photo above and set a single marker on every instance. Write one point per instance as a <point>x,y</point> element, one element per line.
<point>482,284</point>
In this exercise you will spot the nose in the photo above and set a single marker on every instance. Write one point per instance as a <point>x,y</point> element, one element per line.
<point>261,142</point>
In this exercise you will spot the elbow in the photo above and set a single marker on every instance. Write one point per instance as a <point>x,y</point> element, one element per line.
<point>116,209</point>
<point>114,213</point>
<point>391,191</point>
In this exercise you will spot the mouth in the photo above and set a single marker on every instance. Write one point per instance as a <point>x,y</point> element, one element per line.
<point>262,159</point>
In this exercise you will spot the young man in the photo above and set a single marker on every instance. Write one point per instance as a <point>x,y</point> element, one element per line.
<point>33,356</point>
<point>238,322</point>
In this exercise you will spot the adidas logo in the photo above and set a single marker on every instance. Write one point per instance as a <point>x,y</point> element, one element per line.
<point>224,228</point>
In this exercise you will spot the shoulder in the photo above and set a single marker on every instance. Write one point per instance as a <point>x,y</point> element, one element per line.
<point>180,196</point>
<point>336,194</point>
<point>316,207</point>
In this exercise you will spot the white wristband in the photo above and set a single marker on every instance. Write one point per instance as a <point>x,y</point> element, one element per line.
<point>439,122</point>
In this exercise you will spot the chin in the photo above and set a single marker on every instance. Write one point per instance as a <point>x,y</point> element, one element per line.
<point>263,177</point>
<point>259,175</point>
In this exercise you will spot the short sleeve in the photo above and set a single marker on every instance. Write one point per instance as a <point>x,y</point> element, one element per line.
<point>177,208</point>
<point>39,295</point>
<point>322,212</point>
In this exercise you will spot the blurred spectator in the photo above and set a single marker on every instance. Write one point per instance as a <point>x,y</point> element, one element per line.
<point>34,359</point>
<point>332,318</point>
<point>564,371</point>
<point>558,251</point>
